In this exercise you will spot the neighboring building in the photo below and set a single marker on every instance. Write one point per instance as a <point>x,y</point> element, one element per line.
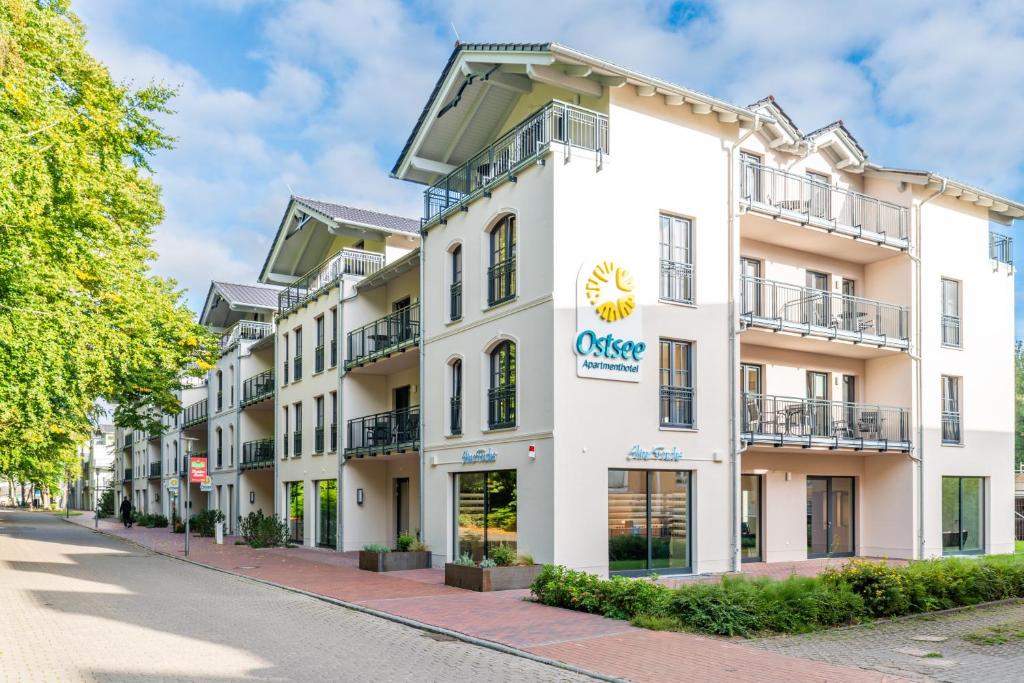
<point>661,332</point>
<point>97,469</point>
<point>347,373</point>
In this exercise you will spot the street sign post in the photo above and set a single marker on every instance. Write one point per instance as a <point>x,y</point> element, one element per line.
<point>188,485</point>
<point>197,473</point>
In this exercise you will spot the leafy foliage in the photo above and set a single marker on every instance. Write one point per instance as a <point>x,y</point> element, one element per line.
<point>503,554</point>
<point>261,531</point>
<point>737,606</point>
<point>81,316</point>
<point>404,542</point>
<point>376,548</point>
<point>203,523</point>
<point>464,560</point>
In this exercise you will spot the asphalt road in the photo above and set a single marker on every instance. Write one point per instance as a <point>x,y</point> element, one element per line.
<point>80,606</point>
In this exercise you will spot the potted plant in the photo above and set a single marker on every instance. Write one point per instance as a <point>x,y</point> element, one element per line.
<point>503,569</point>
<point>409,553</point>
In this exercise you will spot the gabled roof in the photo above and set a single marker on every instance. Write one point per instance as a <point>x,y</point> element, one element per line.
<point>840,126</point>
<point>351,214</point>
<point>256,298</point>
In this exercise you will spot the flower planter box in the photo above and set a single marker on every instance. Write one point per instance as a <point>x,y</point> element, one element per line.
<point>486,579</point>
<point>394,561</point>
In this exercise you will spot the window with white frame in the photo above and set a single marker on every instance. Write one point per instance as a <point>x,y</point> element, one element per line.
<point>676,392</point>
<point>951,433</point>
<point>676,259</point>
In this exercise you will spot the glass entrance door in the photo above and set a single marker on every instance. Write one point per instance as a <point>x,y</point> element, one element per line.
<point>830,516</point>
<point>817,412</point>
<point>401,506</point>
<point>750,518</point>
<point>817,300</point>
<point>963,515</point>
<point>648,521</point>
<point>296,512</point>
<point>750,294</point>
<point>328,518</point>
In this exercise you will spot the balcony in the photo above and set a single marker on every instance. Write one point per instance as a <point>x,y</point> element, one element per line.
<point>194,414</point>
<point>455,427</point>
<point>1000,248</point>
<point>556,122</point>
<point>455,304</point>
<point>318,439</point>
<point>951,427</point>
<point>814,423</point>
<point>781,307</point>
<point>318,359</point>
<point>501,407</point>
<point>127,474</point>
<point>391,432</point>
<point>951,331</point>
<point>258,388</point>
<point>676,407</point>
<point>296,443</point>
<point>296,368</point>
<point>154,470</point>
<point>257,455</point>
<point>346,262</point>
<point>244,330</point>
<point>385,337</point>
<point>501,282</point>
<point>794,197</point>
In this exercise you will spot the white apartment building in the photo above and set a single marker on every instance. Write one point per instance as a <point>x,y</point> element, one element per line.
<point>96,456</point>
<point>661,332</point>
<point>347,374</point>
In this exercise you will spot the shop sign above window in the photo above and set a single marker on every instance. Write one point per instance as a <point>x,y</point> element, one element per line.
<point>478,456</point>
<point>656,453</point>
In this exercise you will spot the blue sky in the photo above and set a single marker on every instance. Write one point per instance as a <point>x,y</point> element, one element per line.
<point>316,97</point>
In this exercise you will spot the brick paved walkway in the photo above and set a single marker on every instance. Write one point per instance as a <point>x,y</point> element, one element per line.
<point>606,646</point>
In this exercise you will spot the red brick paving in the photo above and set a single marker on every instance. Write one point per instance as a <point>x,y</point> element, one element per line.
<point>591,642</point>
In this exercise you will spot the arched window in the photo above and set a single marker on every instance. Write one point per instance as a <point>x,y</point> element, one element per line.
<point>455,307</point>
<point>176,469</point>
<point>501,396</point>
<point>231,445</point>
<point>220,390</point>
<point>455,425</point>
<point>220,449</point>
<point>501,273</point>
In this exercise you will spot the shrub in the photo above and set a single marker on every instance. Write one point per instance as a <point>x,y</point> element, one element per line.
<point>465,561</point>
<point>158,521</point>
<point>261,531</point>
<point>525,559</point>
<point>203,523</point>
<point>419,547</point>
<point>376,548</point>
<point>404,542</point>
<point>503,554</point>
<point>882,587</point>
<point>106,506</point>
<point>487,563</point>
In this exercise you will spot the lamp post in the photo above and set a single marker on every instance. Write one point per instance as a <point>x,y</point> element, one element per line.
<point>188,471</point>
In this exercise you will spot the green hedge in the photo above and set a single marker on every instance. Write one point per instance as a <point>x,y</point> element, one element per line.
<point>857,592</point>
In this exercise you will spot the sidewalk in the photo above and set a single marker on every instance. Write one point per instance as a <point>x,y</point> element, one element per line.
<point>593,643</point>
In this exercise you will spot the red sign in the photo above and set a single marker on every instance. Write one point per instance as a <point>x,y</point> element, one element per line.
<point>197,470</point>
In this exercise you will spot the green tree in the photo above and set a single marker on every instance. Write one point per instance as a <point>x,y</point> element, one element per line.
<point>81,316</point>
<point>1018,376</point>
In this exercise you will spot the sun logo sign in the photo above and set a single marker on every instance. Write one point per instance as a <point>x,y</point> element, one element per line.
<point>608,342</point>
<point>610,291</point>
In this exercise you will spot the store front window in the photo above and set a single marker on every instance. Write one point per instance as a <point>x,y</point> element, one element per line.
<point>648,521</point>
<point>486,512</point>
<point>296,511</point>
<point>963,515</point>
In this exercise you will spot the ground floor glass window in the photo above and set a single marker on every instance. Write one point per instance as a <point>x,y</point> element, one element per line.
<point>485,512</point>
<point>648,521</point>
<point>296,510</point>
<point>963,515</point>
<point>328,521</point>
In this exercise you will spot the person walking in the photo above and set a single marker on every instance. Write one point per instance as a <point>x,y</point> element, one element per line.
<point>126,512</point>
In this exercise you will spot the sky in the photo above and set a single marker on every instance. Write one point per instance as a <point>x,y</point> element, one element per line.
<point>317,97</point>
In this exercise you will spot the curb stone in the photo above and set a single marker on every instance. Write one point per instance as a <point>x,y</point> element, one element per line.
<point>430,628</point>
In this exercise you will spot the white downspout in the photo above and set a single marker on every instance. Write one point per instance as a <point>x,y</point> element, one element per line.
<point>735,450</point>
<point>422,373</point>
<point>915,257</point>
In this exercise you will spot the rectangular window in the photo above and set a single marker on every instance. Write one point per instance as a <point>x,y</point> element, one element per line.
<point>750,177</point>
<point>284,375</point>
<point>951,410</point>
<point>334,421</point>
<point>963,515</point>
<point>676,383</point>
<point>296,511</point>
<point>648,521</point>
<point>950,313</point>
<point>676,259</point>
<point>334,337</point>
<point>297,433</point>
<point>485,512</point>
<point>318,433</point>
<point>297,359</point>
<point>284,428</point>
<point>318,352</point>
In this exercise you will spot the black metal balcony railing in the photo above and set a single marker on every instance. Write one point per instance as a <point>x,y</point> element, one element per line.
<point>845,211</point>
<point>154,470</point>
<point>381,338</point>
<point>258,388</point>
<point>318,359</point>
<point>456,415</point>
<point>1000,248</point>
<point>455,307</point>
<point>951,330</point>
<point>296,368</point>
<point>781,306</point>
<point>501,407</point>
<point>127,474</point>
<point>951,427</point>
<point>284,447</point>
<point>389,432</point>
<point>284,375</point>
<point>334,437</point>
<point>677,281</point>
<point>257,454</point>
<point>220,458</point>
<point>676,406</point>
<point>780,420</point>
<point>318,439</point>
<point>501,281</point>
<point>220,401</point>
<point>296,443</point>
<point>334,353</point>
<point>346,262</point>
<point>498,162</point>
<point>194,414</point>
